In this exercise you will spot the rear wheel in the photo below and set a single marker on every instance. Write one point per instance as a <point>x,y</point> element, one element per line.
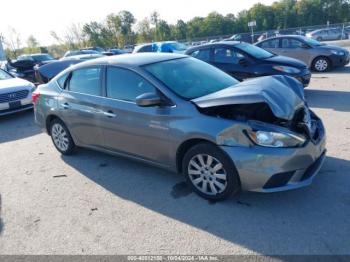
<point>210,173</point>
<point>61,137</point>
<point>321,64</point>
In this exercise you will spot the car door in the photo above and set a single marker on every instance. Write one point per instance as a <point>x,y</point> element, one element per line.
<point>296,49</point>
<point>80,105</point>
<point>129,128</point>
<point>232,62</point>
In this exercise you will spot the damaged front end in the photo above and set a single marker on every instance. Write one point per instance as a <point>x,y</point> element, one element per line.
<point>273,109</point>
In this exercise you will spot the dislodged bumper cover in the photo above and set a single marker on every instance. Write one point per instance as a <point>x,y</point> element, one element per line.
<point>283,94</point>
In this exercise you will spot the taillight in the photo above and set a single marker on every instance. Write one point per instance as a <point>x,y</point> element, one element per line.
<point>35,96</point>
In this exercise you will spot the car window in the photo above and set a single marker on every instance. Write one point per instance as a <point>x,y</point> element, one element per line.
<point>202,54</point>
<point>270,44</point>
<point>291,43</point>
<point>145,49</point>
<point>224,55</point>
<point>62,80</point>
<point>123,84</point>
<point>86,81</point>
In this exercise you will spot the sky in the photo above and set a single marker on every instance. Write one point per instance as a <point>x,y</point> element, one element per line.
<point>39,17</point>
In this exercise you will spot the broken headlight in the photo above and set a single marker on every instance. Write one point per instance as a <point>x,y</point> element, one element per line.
<point>275,139</point>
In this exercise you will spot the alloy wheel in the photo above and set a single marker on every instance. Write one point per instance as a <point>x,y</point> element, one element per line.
<point>321,65</point>
<point>60,137</point>
<point>207,174</point>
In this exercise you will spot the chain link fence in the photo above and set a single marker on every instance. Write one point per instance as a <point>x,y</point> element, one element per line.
<point>331,32</point>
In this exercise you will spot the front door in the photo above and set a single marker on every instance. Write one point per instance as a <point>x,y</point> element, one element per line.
<point>128,128</point>
<point>231,62</point>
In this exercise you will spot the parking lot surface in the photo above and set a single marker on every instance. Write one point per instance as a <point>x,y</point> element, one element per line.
<point>93,203</point>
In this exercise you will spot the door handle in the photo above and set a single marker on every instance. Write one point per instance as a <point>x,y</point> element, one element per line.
<point>109,114</point>
<point>65,105</point>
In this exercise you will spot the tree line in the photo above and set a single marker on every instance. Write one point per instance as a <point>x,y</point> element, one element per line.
<point>120,29</point>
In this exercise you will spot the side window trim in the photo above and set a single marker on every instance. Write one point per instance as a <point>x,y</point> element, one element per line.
<point>67,81</point>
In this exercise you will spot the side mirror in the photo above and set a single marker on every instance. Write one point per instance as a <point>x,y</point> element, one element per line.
<point>305,46</point>
<point>148,100</point>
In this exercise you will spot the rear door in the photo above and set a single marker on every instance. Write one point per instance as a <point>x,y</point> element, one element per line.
<point>272,45</point>
<point>80,105</point>
<point>128,128</point>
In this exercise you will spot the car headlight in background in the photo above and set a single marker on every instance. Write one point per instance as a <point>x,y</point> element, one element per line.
<point>275,139</point>
<point>287,69</point>
<point>336,52</point>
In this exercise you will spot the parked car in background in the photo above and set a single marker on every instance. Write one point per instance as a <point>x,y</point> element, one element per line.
<point>45,73</point>
<point>319,57</point>
<point>23,66</point>
<point>185,115</point>
<point>327,34</point>
<point>243,60</point>
<point>15,94</point>
<point>161,47</point>
<point>245,37</point>
<point>128,48</point>
<point>116,51</point>
<point>94,48</point>
<point>169,47</point>
<point>267,35</point>
<point>80,52</point>
<point>143,48</point>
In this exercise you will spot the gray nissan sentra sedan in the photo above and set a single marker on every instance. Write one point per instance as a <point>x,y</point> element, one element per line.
<point>185,115</point>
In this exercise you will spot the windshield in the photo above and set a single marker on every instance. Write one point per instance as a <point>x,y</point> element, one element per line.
<point>4,75</point>
<point>312,42</point>
<point>190,78</point>
<point>254,51</point>
<point>43,57</point>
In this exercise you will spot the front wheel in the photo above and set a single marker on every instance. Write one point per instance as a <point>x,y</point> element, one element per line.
<point>210,173</point>
<point>321,64</point>
<point>61,137</point>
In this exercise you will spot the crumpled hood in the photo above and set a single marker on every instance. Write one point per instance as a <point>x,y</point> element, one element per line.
<point>283,94</point>
<point>14,84</point>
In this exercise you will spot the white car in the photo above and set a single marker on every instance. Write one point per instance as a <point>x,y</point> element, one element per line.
<point>15,94</point>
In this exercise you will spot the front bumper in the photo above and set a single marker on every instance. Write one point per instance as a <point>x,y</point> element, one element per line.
<point>264,169</point>
<point>16,106</point>
<point>338,61</point>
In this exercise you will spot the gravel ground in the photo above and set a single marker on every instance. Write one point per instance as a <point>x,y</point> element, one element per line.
<point>93,203</point>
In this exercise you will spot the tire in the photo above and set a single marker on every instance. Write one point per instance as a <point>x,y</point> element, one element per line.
<point>209,179</point>
<point>321,64</point>
<point>61,137</point>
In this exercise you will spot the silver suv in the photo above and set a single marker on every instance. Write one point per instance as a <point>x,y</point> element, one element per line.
<point>185,115</point>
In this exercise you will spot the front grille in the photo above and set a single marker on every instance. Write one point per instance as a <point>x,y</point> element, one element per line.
<point>13,96</point>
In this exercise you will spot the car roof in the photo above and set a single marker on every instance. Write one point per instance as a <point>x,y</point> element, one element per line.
<point>137,59</point>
